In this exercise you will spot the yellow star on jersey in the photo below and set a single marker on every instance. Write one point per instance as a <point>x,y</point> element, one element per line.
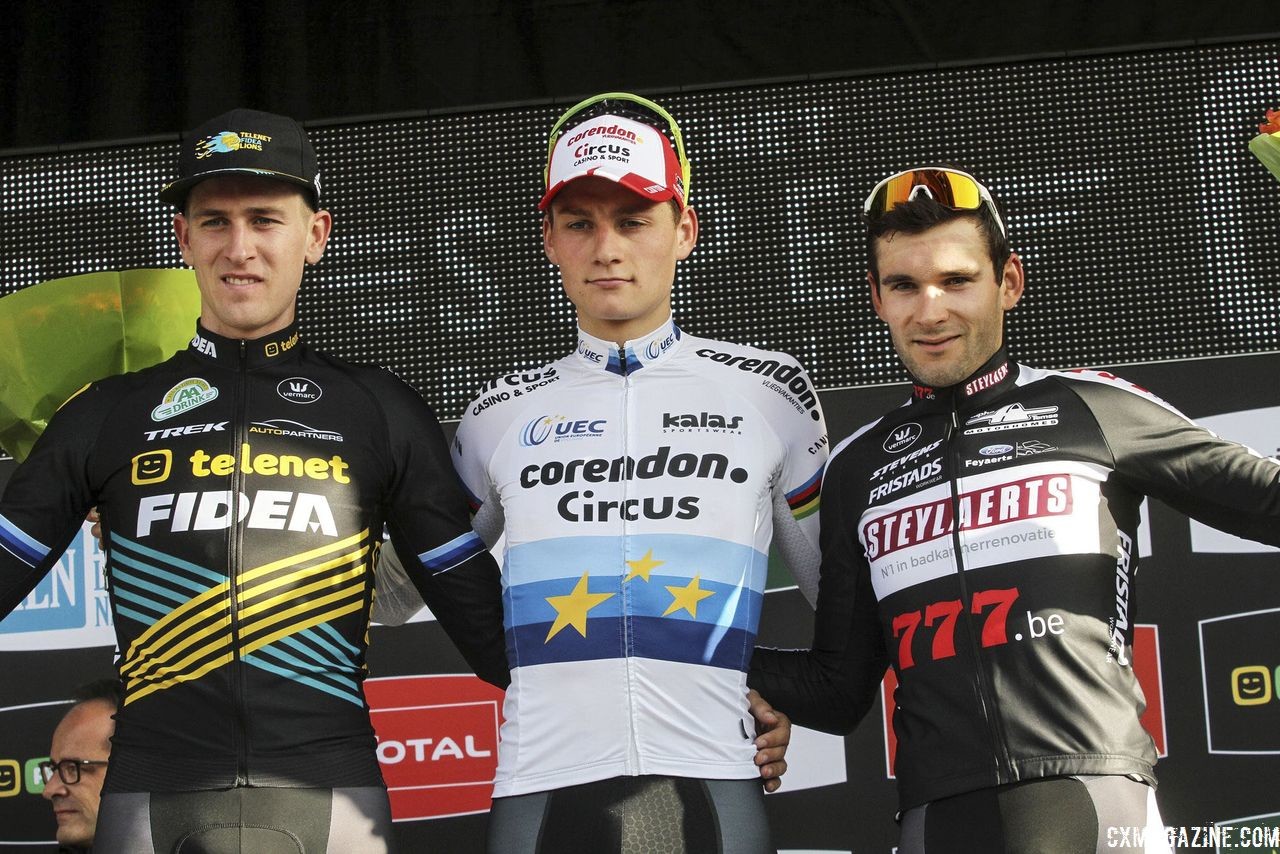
<point>642,567</point>
<point>687,597</point>
<point>572,610</point>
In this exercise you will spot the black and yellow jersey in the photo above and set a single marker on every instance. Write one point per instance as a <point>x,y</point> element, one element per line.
<point>244,488</point>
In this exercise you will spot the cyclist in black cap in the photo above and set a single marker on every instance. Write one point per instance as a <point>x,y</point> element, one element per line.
<point>244,486</point>
<point>998,490</point>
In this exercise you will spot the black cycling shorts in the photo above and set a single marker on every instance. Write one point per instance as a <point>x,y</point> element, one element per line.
<point>1054,815</point>
<point>246,820</point>
<point>634,815</point>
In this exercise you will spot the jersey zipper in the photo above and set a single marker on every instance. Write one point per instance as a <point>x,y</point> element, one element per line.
<point>234,545</point>
<point>986,696</point>
<point>633,745</point>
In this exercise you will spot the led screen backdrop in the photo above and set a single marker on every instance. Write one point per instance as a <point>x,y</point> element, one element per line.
<point>1147,228</point>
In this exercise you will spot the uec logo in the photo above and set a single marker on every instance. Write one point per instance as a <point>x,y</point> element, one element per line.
<point>544,427</point>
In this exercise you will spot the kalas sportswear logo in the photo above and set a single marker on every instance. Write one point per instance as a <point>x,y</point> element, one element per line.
<point>545,427</point>
<point>299,390</point>
<point>188,394</point>
<point>708,422</point>
<point>902,437</point>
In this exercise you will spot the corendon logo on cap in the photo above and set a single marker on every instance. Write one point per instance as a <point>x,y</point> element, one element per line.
<point>437,743</point>
<point>225,142</point>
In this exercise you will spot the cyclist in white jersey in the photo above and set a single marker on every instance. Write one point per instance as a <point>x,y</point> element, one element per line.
<point>639,482</point>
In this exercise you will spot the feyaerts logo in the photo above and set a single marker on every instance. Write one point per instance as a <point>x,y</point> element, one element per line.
<point>188,394</point>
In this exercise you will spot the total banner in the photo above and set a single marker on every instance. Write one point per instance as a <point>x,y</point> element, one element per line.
<point>1206,617</point>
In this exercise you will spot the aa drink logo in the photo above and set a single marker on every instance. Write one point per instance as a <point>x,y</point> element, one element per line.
<point>1240,665</point>
<point>1255,428</point>
<point>1145,656</point>
<point>68,608</point>
<point>437,743</point>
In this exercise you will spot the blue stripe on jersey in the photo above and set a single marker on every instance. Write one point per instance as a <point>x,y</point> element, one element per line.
<point>118,541</point>
<point>729,605</point>
<point>452,553</point>
<point>684,555</point>
<point>16,541</point>
<point>683,641</point>
<point>614,366</point>
<point>258,662</point>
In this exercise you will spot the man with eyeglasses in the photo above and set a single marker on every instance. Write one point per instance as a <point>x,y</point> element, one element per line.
<point>74,773</point>
<point>639,482</point>
<point>997,490</point>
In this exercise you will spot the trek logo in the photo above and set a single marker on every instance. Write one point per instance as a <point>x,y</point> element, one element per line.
<point>299,390</point>
<point>1012,417</point>
<point>266,509</point>
<point>204,345</point>
<point>188,394</point>
<point>275,348</point>
<point>902,437</point>
<point>293,430</point>
<point>188,430</point>
<point>1046,495</point>
<point>562,429</point>
<point>705,422</point>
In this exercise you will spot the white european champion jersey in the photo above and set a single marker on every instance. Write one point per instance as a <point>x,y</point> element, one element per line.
<point>639,491</point>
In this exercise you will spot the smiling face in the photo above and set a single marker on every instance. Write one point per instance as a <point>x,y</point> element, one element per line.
<point>939,295</point>
<point>617,255</point>
<point>248,239</point>
<point>85,733</point>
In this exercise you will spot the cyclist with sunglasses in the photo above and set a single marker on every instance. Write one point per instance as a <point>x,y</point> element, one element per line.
<point>638,481</point>
<point>1017,710</point>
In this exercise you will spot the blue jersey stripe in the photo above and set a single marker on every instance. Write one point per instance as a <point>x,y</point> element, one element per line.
<point>120,576</point>
<point>143,601</point>
<point>304,680</point>
<point>683,555</point>
<point>729,605</point>
<point>452,553</point>
<point>209,575</point>
<point>682,641</point>
<point>24,547</point>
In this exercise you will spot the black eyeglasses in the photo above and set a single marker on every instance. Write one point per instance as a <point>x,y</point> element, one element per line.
<point>68,769</point>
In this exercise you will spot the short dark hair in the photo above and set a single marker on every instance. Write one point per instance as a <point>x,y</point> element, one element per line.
<point>923,213</point>
<point>110,690</point>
